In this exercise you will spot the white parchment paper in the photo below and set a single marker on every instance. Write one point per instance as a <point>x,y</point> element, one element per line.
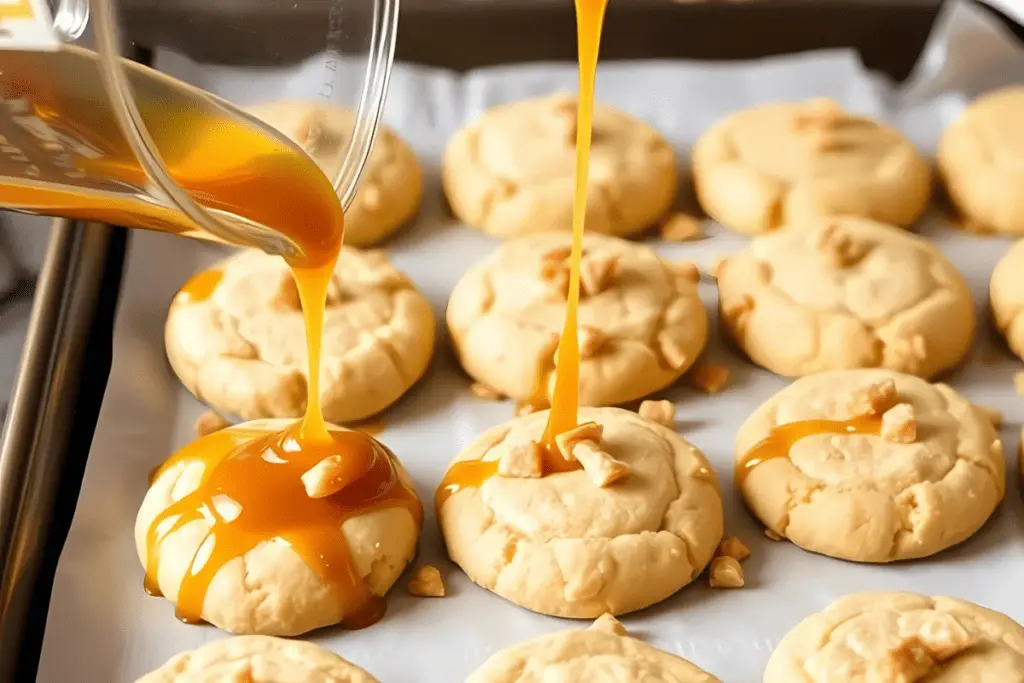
<point>102,628</point>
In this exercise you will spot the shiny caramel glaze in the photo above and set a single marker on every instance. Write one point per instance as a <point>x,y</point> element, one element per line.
<point>251,491</point>
<point>465,474</point>
<point>200,286</point>
<point>782,438</point>
<point>565,398</point>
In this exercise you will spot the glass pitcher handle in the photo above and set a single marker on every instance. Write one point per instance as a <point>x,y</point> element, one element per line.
<point>70,17</point>
<point>370,105</point>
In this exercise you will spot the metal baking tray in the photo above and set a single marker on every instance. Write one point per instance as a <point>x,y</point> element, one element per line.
<point>66,358</point>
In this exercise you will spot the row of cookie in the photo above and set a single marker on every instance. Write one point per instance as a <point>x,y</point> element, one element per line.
<point>830,294</point>
<point>867,465</point>
<point>863,637</point>
<point>511,172</point>
<point>864,465</point>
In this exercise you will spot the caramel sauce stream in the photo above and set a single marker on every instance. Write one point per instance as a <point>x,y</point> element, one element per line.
<point>565,398</point>
<point>782,438</point>
<point>251,489</point>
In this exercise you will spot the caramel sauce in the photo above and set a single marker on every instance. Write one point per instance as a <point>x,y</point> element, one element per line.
<point>252,491</point>
<point>200,286</point>
<point>565,397</point>
<point>782,438</point>
<point>465,474</point>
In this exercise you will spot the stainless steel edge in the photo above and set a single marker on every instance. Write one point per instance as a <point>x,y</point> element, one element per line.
<point>42,406</point>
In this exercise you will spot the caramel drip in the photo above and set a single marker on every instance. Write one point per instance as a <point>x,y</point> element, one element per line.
<point>565,398</point>
<point>782,438</point>
<point>251,491</point>
<point>200,286</point>
<point>465,474</point>
<point>312,283</point>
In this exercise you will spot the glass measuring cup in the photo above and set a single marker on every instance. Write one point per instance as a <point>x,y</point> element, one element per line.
<point>89,135</point>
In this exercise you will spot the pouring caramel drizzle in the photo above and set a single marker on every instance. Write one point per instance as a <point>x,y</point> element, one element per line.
<point>565,398</point>
<point>251,490</point>
<point>782,438</point>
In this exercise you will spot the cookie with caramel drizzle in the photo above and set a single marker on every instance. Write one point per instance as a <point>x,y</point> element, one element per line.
<point>230,533</point>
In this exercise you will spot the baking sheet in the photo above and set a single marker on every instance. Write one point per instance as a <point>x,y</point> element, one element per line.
<point>102,628</point>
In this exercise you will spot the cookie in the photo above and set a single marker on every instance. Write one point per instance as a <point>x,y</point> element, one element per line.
<point>1006,296</point>
<point>565,545</point>
<point>981,161</point>
<point>842,293</point>
<point>258,659</point>
<point>596,655</point>
<point>900,638</point>
<point>870,465</point>
<point>513,171</point>
<point>192,538</point>
<point>641,324</point>
<point>391,184</point>
<point>235,337</point>
<point>781,163</point>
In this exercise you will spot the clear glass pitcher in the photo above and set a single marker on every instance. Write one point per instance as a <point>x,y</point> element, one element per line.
<point>89,135</point>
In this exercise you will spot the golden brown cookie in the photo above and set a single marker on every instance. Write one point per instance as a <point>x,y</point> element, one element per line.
<point>842,293</point>
<point>640,521</point>
<point>603,653</point>
<point>271,589</point>
<point>900,638</point>
<point>981,159</point>
<point>641,324</point>
<point>235,337</point>
<point>781,163</point>
<point>1006,295</point>
<point>870,465</point>
<point>513,171</point>
<point>391,184</point>
<point>258,659</point>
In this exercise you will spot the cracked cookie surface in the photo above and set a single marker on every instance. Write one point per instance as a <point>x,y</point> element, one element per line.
<point>588,655</point>
<point>560,545</point>
<point>780,163</point>
<point>242,348</point>
<point>642,325</point>
<point>900,638</point>
<point>1006,296</point>
<point>861,497</point>
<point>391,184</point>
<point>981,160</point>
<point>258,659</point>
<point>271,590</point>
<point>846,293</point>
<point>512,171</point>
